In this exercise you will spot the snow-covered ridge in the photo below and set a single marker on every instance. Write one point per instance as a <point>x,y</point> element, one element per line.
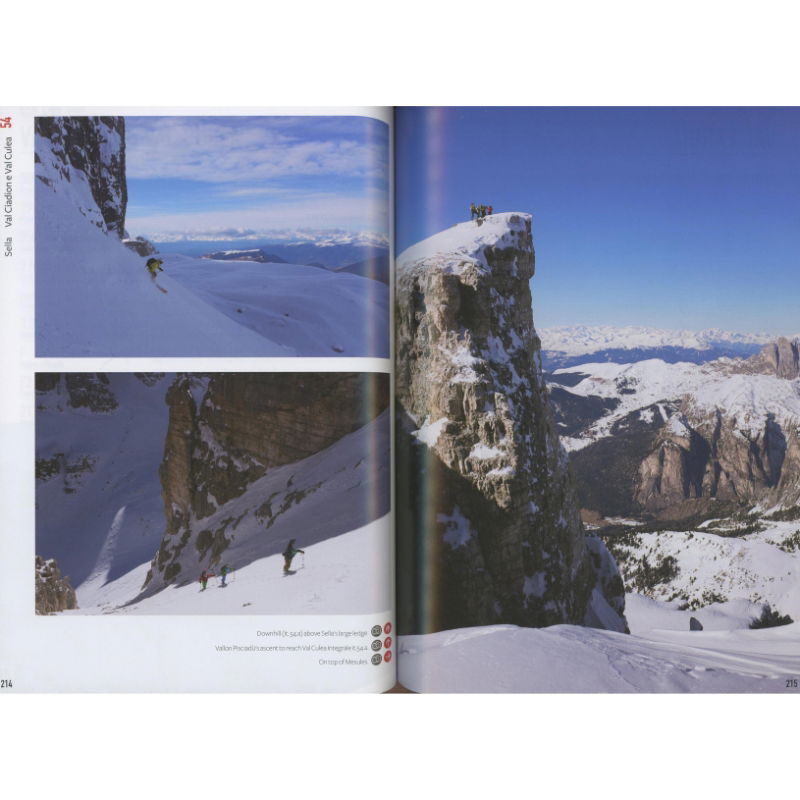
<point>464,244</point>
<point>747,399</point>
<point>585,339</point>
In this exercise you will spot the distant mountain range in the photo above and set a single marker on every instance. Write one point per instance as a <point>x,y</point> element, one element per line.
<point>328,255</point>
<point>569,346</point>
<point>375,265</point>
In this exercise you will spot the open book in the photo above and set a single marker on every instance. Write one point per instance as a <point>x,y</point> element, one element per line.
<point>277,417</point>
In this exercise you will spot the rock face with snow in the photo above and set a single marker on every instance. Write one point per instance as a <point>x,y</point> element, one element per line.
<point>780,358</point>
<point>226,431</point>
<point>54,593</point>
<point>675,439</point>
<point>704,458</point>
<point>88,150</point>
<point>485,499</point>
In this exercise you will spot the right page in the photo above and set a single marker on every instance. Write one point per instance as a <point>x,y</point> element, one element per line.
<point>608,501</point>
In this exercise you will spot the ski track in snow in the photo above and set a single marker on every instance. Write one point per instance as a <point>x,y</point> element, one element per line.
<point>341,575</point>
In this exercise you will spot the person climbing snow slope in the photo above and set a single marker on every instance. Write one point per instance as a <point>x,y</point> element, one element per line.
<point>204,576</point>
<point>288,554</point>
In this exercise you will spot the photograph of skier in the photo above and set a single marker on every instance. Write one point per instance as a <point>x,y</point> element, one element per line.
<point>260,235</point>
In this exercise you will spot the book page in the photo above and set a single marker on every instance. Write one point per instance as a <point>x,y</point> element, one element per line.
<point>598,465</point>
<point>197,438</point>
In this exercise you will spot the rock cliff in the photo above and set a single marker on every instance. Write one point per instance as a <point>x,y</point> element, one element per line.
<point>488,527</point>
<point>780,358</point>
<point>227,430</point>
<point>88,154</point>
<point>676,440</point>
<point>700,459</point>
<point>54,593</point>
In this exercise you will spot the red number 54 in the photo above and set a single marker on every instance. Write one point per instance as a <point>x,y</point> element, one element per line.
<point>5,122</point>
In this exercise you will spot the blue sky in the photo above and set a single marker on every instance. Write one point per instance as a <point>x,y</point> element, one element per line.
<point>220,178</point>
<point>667,217</point>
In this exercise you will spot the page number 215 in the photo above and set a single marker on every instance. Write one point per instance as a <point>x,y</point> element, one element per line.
<point>791,683</point>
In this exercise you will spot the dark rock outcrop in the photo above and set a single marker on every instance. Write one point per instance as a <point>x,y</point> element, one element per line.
<point>140,246</point>
<point>95,147</point>
<point>487,524</point>
<point>780,358</point>
<point>54,593</point>
<point>78,389</point>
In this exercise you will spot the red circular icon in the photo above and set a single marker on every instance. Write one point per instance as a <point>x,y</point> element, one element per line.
<point>387,656</point>
<point>387,642</point>
<point>387,628</point>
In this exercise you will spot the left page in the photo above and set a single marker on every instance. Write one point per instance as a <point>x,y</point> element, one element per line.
<point>196,461</point>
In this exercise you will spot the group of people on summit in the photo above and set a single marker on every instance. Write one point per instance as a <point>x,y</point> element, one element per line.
<point>288,555</point>
<point>479,212</point>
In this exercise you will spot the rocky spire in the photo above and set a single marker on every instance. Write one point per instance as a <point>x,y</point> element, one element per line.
<point>488,527</point>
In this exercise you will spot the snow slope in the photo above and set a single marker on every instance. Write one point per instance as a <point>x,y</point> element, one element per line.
<point>339,489</point>
<point>341,575</point>
<point>567,658</point>
<point>94,297</point>
<point>309,311</point>
<point>102,514</point>
<point>661,654</point>
<point>757,568</point>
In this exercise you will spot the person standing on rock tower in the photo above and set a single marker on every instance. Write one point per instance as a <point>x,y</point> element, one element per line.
<point>288,554</point>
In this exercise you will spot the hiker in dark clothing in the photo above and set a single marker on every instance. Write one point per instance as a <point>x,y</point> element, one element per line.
<point>288,554</point>
<point>224,574</point>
